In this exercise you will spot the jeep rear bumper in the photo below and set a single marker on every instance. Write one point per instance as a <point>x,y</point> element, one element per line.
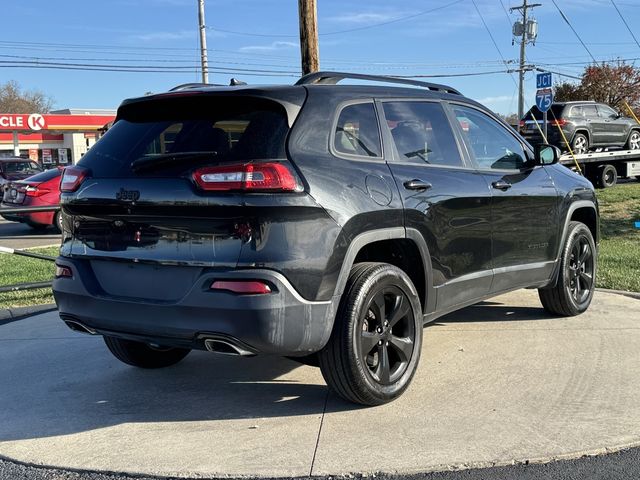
<point>280,322</point>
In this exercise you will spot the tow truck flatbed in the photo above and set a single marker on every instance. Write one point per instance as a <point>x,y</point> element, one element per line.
<point>603,168</point>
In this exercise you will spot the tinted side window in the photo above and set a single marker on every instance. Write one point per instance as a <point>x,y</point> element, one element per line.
<point>590,111</point>
<point>492,145</point>
<point>606,112</point>
<point>576,112</point>
<point>357,131</point>
<point>421,133</point>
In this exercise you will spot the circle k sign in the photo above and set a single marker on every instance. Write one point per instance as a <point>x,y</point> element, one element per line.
<point>35,121</point>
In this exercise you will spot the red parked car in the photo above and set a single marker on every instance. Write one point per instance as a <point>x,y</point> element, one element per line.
<point>39,190</point>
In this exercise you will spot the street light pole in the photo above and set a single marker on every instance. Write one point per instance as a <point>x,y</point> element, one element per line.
<point>203,43</point>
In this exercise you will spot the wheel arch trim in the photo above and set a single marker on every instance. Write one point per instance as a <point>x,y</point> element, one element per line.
<point>372,236</point>
<point>579,204</point>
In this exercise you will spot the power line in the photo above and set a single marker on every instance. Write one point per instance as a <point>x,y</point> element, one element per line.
<point>185,69</point>
<point>140,70</point>
<point>625,23</point>
<point>492,39</point>
<point>339,32</point>
<point>155,68</point>
<point>506,13</point>
<point>564,17</point>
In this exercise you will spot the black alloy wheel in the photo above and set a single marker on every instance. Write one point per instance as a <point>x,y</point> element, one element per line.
<point>572,292</point>
<point>387,335</point>
<point>375,345</point>
<point>581,269</point>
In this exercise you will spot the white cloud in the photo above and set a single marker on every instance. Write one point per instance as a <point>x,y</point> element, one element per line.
<point>500,103</point>
<point>499,98</point>
<point>365,17</point>
<point>273,46</point>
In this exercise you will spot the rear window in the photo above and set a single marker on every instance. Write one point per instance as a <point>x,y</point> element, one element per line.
<point>46,175</point>
<point>554,112</point>
<point>171,136</point>
<point>21,167</point>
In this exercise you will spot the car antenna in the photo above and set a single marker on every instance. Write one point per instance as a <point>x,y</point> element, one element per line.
<point>234,82</point>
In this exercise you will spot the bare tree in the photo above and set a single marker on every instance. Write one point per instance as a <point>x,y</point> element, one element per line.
<point>14,99</point>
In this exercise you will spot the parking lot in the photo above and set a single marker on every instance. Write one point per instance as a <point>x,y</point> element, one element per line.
<point>19,235</point>
<point>498,382</point>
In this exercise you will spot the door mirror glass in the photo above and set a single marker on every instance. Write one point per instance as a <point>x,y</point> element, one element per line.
<point>546,154</point>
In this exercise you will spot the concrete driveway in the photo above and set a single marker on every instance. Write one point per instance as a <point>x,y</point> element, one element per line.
<point>20,235</point>
<point>498,382</point>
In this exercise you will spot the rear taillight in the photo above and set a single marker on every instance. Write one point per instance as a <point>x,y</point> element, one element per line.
<point>72,177</point>
<point>63,272</point>
<point>243,287</point>
<point>34,191</point>
<point>559,123</point>
<point>268,176</point>
<point>521,124</point>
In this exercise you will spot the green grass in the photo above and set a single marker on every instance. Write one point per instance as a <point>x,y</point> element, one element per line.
<point>619,258</point>
<point>17,269</point>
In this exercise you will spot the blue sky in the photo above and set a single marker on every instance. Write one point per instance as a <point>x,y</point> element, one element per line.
<point>163,33</point>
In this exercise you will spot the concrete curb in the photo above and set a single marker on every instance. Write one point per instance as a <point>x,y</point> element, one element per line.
<point>8,315</point>
<point>635,295</point>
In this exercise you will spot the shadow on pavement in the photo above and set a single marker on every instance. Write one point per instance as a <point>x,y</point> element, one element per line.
<point>55,382</point>
<point>494,312</point>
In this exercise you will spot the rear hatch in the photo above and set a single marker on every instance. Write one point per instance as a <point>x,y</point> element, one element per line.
<point>534,115</point>
<point>172,183</point>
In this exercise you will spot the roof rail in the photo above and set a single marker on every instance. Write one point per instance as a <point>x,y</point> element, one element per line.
<point>331,78</point>
<point>187,86</point>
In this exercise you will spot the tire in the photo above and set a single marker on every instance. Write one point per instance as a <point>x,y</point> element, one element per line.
<point>577,269</point>
<point>607,176</point>
<point>57,222</point>
<point>633,142</point>
<point>378,324</point>
<point>141,355</point>
<point>580,144</point>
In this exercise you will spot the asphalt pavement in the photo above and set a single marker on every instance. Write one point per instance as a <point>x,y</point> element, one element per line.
<point>20,235</point>
<point>499,383</point>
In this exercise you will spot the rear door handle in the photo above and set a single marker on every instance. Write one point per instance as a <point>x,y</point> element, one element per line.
<point>416,184</point>
<point>501,185</point>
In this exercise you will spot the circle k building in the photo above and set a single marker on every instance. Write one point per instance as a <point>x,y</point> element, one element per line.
<point>57,138</point>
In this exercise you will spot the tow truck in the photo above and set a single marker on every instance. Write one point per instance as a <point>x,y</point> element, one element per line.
<point>603,167</point>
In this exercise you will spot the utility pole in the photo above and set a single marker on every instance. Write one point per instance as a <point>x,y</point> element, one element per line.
<point>203,42</point>
<point>308,13</point>
<point>527,31</point>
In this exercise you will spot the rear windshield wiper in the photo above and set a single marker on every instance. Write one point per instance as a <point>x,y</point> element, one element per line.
<point>153,162</point>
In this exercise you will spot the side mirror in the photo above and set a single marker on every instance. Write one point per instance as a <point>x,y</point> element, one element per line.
<point>546,154</point>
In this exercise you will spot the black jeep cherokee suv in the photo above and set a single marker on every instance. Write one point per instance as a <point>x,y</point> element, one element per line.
<point>320,221</point>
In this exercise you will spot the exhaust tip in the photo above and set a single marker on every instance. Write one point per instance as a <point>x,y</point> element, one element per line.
<point>79,327</point>
<point>226,347</point>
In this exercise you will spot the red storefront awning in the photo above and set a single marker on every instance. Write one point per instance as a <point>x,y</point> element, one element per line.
<point>36,122</point>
